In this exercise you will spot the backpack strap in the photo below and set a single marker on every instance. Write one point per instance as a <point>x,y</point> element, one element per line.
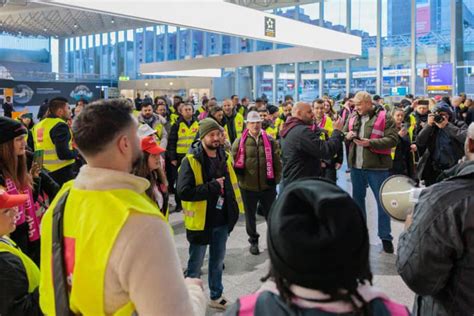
<point>61,295</point>
<point>247,304</point>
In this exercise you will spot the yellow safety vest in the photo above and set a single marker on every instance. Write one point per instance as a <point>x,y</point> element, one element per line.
<point>201,109</point>
<point>272,131</point>
<point>238,124</point>
<point>92,222</point>
<point>43,141</point>
<point>195,211</point>
<point>136,113</point>
<point>328,127</point>
<point>279,124</point>
<point>32,271</point>
<point>411,128</point>
<point>158,129</point>
<point>174,118</point>
<point>186,136</point>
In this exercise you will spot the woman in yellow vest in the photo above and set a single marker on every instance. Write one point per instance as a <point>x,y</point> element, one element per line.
<point>151,167</point>
<point>19,275</point>
<point>324,126</point>
<point>402,155</point>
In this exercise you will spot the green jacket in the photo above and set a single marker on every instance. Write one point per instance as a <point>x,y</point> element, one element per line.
<point>254,175</point>
<point>389,140</point>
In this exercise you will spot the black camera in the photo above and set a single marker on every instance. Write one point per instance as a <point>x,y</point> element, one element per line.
<point>438,118</point>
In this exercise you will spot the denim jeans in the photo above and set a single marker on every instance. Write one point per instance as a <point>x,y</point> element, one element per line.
<point>217,249</point>
<point>361,179</point>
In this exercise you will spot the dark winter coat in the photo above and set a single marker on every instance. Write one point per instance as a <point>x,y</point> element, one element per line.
<point>210,190</point>
<point>254,175</point>
<point>435,257</point>
<point>301,149</point>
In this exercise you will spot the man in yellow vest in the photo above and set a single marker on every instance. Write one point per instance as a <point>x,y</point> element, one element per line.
<point>234,125</point>
<point>156,122</point>
<point>106,249</point>
<point>19,275</point>
<point>54,136</point>
<point>181,137</point>
<point>208,186</point>
<point>267,124</point>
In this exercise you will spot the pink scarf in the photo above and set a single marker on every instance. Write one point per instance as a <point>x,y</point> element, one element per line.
<point>26,212</point>
<point>323,122</point>
<point>240,161</point>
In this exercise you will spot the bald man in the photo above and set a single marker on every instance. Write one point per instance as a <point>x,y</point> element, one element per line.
<point>302,149</point>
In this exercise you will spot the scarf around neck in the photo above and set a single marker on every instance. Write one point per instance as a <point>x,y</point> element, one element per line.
<point>240,161</point>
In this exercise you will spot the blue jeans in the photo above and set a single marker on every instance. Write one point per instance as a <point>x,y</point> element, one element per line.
<point>361,178</point>
<point>217,249</point>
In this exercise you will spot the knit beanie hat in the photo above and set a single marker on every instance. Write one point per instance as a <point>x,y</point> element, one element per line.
<point>206,126</point>
<point>9,129</point>
<point>442,106</point>
<point>317,236</point>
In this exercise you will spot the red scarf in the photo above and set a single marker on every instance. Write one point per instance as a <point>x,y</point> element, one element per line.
<point>240,161</point>
<point>27,211</point>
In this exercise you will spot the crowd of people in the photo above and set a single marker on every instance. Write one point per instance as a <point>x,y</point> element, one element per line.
<point>86,194</point>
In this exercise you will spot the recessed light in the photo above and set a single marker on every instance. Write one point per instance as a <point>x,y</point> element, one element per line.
<point>112,21</point>
<point>75,26</point>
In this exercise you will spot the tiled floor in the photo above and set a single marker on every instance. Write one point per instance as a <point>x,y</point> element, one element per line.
<point>243,270</point>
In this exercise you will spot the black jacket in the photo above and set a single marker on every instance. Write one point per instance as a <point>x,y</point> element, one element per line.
<point>435,254</point>
<point>14,297</point>
<point>428,169</point>
<point>302,149</point>
<point>403,162</point>
<point>8,109</point>
<point>210,190</point>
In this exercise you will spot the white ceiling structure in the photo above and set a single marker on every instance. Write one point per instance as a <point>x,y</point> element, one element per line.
<point>28,18</point>
<point>68,18</point>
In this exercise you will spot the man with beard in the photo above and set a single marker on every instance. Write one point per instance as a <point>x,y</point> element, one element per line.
<point>113,251</point>
<point>267,123</point>
<point>156,122</point>
<point>302,149</point>
<point>211,199</point>
<point>234,125</point>
<point>53,135</point>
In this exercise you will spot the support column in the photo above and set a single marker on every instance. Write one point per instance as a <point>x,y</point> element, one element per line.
<point>321,63</point>
<point>348,60</point>
<point>379,78</point>
<point>134,54</point>
<point>457,45</point>
<point>154,44</point>
<point>166,44</point>
<point>274,85</point>
<point>414,75</point>
<point>297,82</point>
<point>254,82</point>
<point>125,44</point>
<point>62,55</point>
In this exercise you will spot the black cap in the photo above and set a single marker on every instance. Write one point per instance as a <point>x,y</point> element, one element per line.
<point>317,236</point>
<point>259,100</point>
<point>377,97</point>
<point>9,129</point>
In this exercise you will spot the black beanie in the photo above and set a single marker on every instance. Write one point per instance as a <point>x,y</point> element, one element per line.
<point>9,129</point>
<point>317,236</point>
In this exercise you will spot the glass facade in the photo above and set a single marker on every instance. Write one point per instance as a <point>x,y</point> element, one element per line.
<point>439,35</point>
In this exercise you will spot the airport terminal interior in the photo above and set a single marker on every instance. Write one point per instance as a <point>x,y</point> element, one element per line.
<point>322,149</point>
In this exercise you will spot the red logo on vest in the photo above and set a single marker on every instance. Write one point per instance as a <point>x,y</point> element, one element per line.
<point>69,259</point>
<point>40,134</point>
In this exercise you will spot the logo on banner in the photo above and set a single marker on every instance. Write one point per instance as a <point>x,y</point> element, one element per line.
<point>270,25</point>
<point>81,92</point>
<point>22,94</point>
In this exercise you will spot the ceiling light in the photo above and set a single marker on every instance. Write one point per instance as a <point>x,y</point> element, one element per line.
<point>75,26</point>
<point>146,84</point>
<point>45,29</point>
<point>171,83</point>
<point>112,21</point>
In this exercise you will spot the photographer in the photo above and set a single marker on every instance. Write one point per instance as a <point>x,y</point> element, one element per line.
<point>440,143</point>
<point>436,253</point>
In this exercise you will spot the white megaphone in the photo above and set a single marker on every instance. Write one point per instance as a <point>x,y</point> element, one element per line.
<point>398,196</point>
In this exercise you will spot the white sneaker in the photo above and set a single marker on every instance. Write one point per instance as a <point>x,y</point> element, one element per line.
<point>221,303</point>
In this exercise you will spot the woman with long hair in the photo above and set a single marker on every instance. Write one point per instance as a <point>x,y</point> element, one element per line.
<point>329,109</point>
<point>16,179</point>
<point>150,167</point>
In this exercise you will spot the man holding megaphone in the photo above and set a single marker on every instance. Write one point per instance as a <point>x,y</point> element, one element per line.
<point>436,252</point>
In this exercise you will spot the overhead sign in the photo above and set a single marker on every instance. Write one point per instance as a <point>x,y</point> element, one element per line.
<point>270,27</point>
<point>399,91</point>
<point>440,77</point>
